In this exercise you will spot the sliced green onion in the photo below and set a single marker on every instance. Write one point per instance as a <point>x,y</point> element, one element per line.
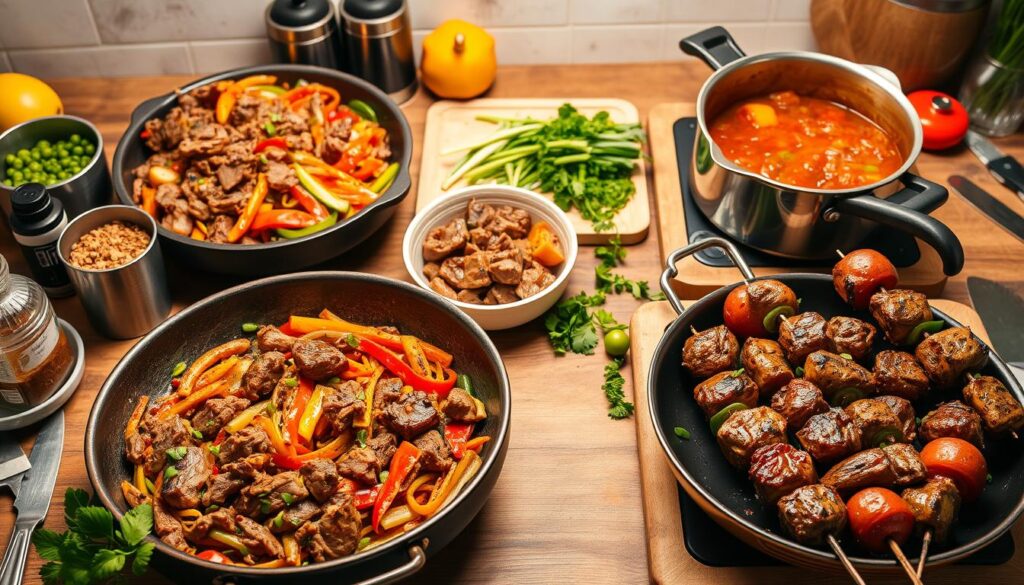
<point>384,475</point>
<point>682,433</point>
<point>463,381</point>
<point>385,179</point>
<point>361,437</point>
<point>175,453</point>
<point>287,498</point>
<point>771,320</point>
<point>363,542</point>
<point>352,341</point>
<point>363,109</point>
<point>799,372</point>
<point>846,396</point>
<point>250,327</point>
<point>846,355</point>
<point>170,472</point>
<point>270,128</point>
<point>198,436</point>
<point>179,369</point>
<point>722,415</point>
<point>885,436</point>
<point>921,329</point>
<point>291,382</point>
<point>265,505</point>
<point>215,449</point>
<point>319,191</point>
<point>736,373</point>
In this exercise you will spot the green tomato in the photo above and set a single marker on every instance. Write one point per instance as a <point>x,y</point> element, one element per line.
<point>616,343</point>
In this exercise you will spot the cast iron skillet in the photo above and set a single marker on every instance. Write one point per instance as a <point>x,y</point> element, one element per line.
<point>285,255</point>
<point>360,297</point>
<point>728,496</point>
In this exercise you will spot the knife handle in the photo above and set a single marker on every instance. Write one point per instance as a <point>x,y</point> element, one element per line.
<point>1008,172</point>
<point>13,568</point>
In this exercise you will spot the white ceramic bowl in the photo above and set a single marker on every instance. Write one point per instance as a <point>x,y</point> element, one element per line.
<point>452,205</point>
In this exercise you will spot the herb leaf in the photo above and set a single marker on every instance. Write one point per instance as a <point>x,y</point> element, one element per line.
<point>136,524</point>
<point>95,522</point>
<point>143,555</point>
<point>618,406</point>
<point>106,564</point>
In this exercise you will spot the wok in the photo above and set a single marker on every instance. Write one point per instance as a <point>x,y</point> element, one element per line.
<point>285,255</point>
<point>728,496</point>
<point>360,297</point>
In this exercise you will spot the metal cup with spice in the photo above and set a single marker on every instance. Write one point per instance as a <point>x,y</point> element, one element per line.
<point>114,261</point>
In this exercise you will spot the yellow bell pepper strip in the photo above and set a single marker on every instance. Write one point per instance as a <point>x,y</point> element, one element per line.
<point>207,360</point>
<point>331,450</point>
<point>309,203</point>
<point>229,540</point>
<point>216,372</point>
<point>245,417</point>
<point>544,245</point>
<point>244,222</point>
<point>301,95</point>
<point>331,322</point>
<point>274,433</point>
<point>457,434</point>
<point>477,443</point>
<point>319,191</point>
<point>415,356</point>
<point>448,485</point>
<point>273,219</point>
<point>133,421</point>
<point>277,90</point>
<point>149,200</point>
<point>291,550</point>
<point>196,398</point>
<point>197,234</point>
<point>439,388</point>
<point>308,160</point>
<point>385,179</point>
<point>311,413</point>
<point>140,479</point>
<point>320,226</point>
<point>303,392</point>
<point>402,463</point>
<point>231,90</point>
<point>365,420</point>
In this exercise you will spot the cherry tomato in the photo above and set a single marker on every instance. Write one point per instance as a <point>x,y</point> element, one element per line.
<point>877,515</point>
<point>958,460</point>
<point>616,342</point>
<point>214,557</point>
<point>860,274</point>
<point>748,306</point>
<point>738,316</point>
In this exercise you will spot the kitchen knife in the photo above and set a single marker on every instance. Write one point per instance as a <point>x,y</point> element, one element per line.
<point>1002,215</point>
<point>12,458</point>
<point>1004,168</point>
<point>1002,312</point>
<point>33,499</point>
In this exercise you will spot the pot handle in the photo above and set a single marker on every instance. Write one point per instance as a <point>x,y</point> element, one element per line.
<point>417,560</point>
<point>715,46</point>
<point>677,255</point>
<point>901,211</point>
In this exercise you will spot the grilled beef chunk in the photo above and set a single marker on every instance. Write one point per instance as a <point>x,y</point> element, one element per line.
<point>535,279</point>
<point>766,365</point>
<point>501,294</point>
<point>434,452</point>
<point>191,473</point>
<point>318,360</point>
<point>222,486</point>
<point>343,405</point>
<point>431,270</point>
<point>167,526</point>
<point>257,538</point>
<point>266,495</point>
<point>893,465</point>
<point>831,373</point>
<point>899,374</point>
<point>953,419</point>
<point>270,338</point>
<point>411,415</point>
<point>711,351</point>
<point>747,430</point>
<point>801,335</point>
<point>264,373</point>
<point>830,436</point>
<point>445,240</point>
<point>947,355</point>
<point>850,336</point>
<point>722,389</point>
<point>907,463</point>
<point>811,513</point>
<point>335,534</point>
<point>296,515</point>
<point>999,410</point>
<point>248,441</point>
<point>384,445</point>
<point>461,407</point>
<point>441,287</point>
<point>360,465</point>
<point>135,448</point>
<point>166,434</point>
<point>798,401</point>
<point>217,412</point>
<point>877,422</point>
<point>898,311</point>
<point>765,295</point>
<point>506,266</point>
<point>466,271</point>
<point>222,519</point>
<point>388,390</point>
<point>778,469</point>
<point>904,411</point>
<point>321,478</point>
<point>935,506</point>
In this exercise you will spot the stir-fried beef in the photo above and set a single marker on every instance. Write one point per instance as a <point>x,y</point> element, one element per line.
<point>434,452</point>
<point>360,465</point>
<point>248,441</point>
<point>216,413</point>
<point>166,434</point>
<point>296,515</point>
<point>321,478</point>
<point>445,240</point>
<point>270,338</point>
<point>266,495</point>
<point>257,538</point>
<point>264,373</point>
<point>191,473</point>
<point>461,407</point>
<point>343,405</point>
<point>335,534</point>
<point>708,352</point>
<point>280,177</point>
<point>411,415</point>
<point>384,445</point>
<point>222,519</point>
<point>167,526</point>
<point>318,360</point>
<point>388,390</point>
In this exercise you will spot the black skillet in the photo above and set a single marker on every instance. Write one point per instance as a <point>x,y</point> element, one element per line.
<point>728,496</point>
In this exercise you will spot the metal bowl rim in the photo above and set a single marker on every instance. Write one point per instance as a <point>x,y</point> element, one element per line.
<point>86,168</point>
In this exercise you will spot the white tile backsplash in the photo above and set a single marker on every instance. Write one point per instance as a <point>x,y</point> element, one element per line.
<point>5,63</point>
<point>54,38</point>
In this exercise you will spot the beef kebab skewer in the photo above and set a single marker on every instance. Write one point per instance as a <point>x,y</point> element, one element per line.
<point>880,519</point>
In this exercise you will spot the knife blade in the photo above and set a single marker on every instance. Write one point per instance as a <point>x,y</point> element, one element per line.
<point>1002,312</point>
<point>1006,169</point>
<point>12,458</point>
<point>998,212</point>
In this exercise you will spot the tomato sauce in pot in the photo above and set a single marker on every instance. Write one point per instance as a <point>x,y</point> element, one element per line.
<point>805,142</point>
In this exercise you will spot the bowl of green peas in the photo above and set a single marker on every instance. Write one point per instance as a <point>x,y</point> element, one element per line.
<point>64,153</point>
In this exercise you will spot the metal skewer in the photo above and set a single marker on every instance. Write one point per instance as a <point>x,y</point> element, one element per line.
<point>925,542</point>
<point>845,561</point>
<point>902,558</point>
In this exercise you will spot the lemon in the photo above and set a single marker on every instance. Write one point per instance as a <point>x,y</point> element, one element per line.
<point>23,97</point>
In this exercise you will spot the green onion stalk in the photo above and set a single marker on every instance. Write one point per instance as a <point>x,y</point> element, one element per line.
<point>998,96</point>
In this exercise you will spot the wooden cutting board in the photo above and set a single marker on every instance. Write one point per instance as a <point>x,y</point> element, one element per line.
<point>451,124</point>
<point>667,558</point>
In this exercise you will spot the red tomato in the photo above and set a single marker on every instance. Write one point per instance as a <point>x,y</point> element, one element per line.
<point>960,461</point>
<point>214,557</point>
<point>740,317</point>
<point>860,274</point>
<point>877,515</point>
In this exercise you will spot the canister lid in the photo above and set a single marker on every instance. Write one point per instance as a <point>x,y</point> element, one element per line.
<point>371,9</point>
<point>33,211</point>
<point>298,13</point>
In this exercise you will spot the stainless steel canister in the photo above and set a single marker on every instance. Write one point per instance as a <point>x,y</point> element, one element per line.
<point>305,32</point>
<point>126,301</point>
<point>378,40</point>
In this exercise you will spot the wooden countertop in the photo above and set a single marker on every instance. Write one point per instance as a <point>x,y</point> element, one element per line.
<point>567,505</point>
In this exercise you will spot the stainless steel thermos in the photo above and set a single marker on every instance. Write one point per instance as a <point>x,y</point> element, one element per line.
<point>378,43</point>
<point>305,32</point>
<point>37,220</point>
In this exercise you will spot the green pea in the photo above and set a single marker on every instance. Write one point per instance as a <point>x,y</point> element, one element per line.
<point>90,149</point>
<point>51,179</point>
<point>16,175</point>
<point>75,139</point>
<point>75,169</point>
<point>63,152</point>
<point>24,154</point>
<point>10,158</point>
<point>34,155</point>
<point>18,163</point>
<point>78,151</point>
<point>47,152</point>
<point>63,175</point>
<point>43,143</point>
<point>35,166</point>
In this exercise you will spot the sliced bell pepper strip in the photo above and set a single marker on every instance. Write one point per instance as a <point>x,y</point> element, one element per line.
<point>149,200</point>
<point>477,443</point>
<point>331,450</point>
<point>274,433</point>
<point>457,434</point>
<point>274,89</point>
<point>231,90</point>
<point>276,142</point>
<point>245,417</point>
<point>207,360</point>
<point>448,485</point>
<point>216,372</point>
<point>309,203</point>
<point>214,557</point>
<point>440,388</point>
<point>385,179</point>
<point>922,328</point>
<point>311,161</point>
<point>241,227</point>
<point>195,399</point>
<point>311,414</point>
<point>401,465</point>
<point>273,219</point>
<point>303,392</point>
<point>365,420</point>
<point>367,168</point>
<point>229,540</point>
<point>415,356</point>
<point>197,234</point>
<point>365,498</point>
<point>339,113</point>
<point>292,555</point>
<point>136,417</point>
<point>320,226</point>
<point>332,322</point>
<point>319,191</point>
<point>363,109</point>
<point>140,479</point>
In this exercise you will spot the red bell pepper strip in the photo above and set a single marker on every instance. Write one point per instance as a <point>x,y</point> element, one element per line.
<point>291,420</point>
<point>363,498</point>
<point>457,434</point>
<point>342,113</point>
<point>401,464</point>
<point>309,203</point>
<point>440,388</point>
<point>245,220</point>
<point>366,168</point>
<point>282,219</point>
<point>276,142</point>
<point>287,329</point>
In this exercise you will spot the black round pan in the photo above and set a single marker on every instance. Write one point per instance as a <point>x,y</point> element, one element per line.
<point>362,298</point>
<point>285,255</point>
<point>727,494</point>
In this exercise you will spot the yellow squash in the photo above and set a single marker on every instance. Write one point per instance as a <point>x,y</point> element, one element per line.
<point>458,60</point>
<point>23,97</point>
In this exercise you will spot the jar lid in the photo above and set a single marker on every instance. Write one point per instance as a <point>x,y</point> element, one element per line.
<point>33,211</point>
<point>371,9</point>
<point>298,13</point>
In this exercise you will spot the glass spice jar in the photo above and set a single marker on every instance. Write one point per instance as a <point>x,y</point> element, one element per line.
<point>35,356</point>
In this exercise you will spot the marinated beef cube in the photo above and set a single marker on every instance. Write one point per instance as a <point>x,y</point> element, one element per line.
<point>248,441</point>
<point>832,373</point>
<point>478,214</point>
<point>264,373</point>
<point>999,410</point>
<point>471,297</point>
<point>280,177</point>
<point>812,513</point>
<point>222,486</point>
<point>798,401</point>
<point>215,413</point>
<point>723,389</point>
<point>165,434</point>
<point>708,352</point>
<point>747,430</point>
<point>296,515</point>
<point>535,279</point>
<point>830,436</point>
<point>270,338</point>
<point>892,465</point>
<point>462,407</point>
<point>360,464</point>
<point>899,374</point>
<point>387,390</point>
<point>801,335</point>
<point>431,270</point>
<point>501,294</point>
<point>778,469</point>
<point>765,295</point>
<point>441,287</point>
<point>411,415</point>
<point>509,220</point>
<point>335,534</point>
<point>850,336</point>
<point>343,405</point>
<point>320,477</point>
<point>935,506</point>
<point>952,419</point>
<point>318,360</point>
<point>445,240</point>
<point>434,452</point>
<point>904,411</point>
<point>907,464</point>
<point>949,354</point>
<point>877,422</point>
<point>506,267</point>
<point>191,472</point>
<point>384,445</point>
<point>898,311</point>
<point>463,272</point>
<point>269,494</point>
<point>764,362</point>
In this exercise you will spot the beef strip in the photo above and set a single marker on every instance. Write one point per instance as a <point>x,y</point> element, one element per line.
<point>248,441</point>
<point>462,408</point>
<point>360,464</point>
<point>222,519</point>
<point>318,360</point>
<point>321,478</point>
<point>708,352</point>
<point>335,534</point>
<point>434,452</point>
<point>898,373</point>
<point>387,390</point>
<point>850,336</point>
<point>764,361</point>
<point>205,140</point>
<point>215,413</point>
<point>443,241</point>
<point>894,465</point>
<point>167,526</point>
<point>280,177</point>
<point>166,434</point>
<point>411,415</point>
<point>270,338</point>
<point>219,228</point>
<point>296,515</point>
<point>801,335</point>
<point>192,472</point>
<point>264,496</point>
<point>263,375</point>
<point>258,539</point>
<point>343,405</point>
<point>230,176</point>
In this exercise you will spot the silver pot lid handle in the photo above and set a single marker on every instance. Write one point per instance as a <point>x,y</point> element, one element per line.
<point>677,255</point>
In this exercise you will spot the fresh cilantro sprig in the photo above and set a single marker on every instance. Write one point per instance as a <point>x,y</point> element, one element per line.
<point>570,325</point>
<point>608,282</point>
<point>618,406</point>
<point>94,549</point>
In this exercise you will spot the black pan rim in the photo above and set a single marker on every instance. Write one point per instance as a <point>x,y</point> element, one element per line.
<point>660,355</point>
<point>392,196</point>
<point>93,448</point>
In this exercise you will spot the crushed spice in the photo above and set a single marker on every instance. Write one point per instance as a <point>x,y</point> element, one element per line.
<point>109,246</point>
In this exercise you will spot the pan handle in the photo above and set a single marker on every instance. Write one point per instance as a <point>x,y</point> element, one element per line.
<point>715,46</point>
<point>677,255</point>
<point>417,560</point>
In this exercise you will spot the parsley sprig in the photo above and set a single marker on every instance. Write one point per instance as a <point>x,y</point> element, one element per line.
<point>94,549</point>
<point>618,406</point>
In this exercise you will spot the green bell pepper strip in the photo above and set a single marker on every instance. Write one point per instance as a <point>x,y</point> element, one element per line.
<point>771,320</point>
<point>921,329</point>
<point>846,396</point>
<point>722,415</point>
<point>319,191</point>
<point>303,232</point>
<point>381,183</point>
<point>464,382</point>
<point>274,89</point>
<point>885,436</point>
<point>363,109</point>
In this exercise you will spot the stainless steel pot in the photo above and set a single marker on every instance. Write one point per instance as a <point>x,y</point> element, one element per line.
<point>799,222</point>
